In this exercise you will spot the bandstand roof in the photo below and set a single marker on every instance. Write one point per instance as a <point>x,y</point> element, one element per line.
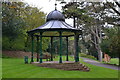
<point>55,22</point>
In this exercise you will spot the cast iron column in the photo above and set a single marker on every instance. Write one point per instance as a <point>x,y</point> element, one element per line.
<point>51,48</point>
<point>32,48</point>
<point>67,49</point>
<point>41,47</point>
<point>37,48</point>
<point>60,51</point>
<point>76,48</point>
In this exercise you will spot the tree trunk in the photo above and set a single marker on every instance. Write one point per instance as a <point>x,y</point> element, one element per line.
<point>100,54</point>
<point>98,44</point>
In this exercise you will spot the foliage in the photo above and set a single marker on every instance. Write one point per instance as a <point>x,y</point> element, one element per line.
<point>87,56</point>
<point>45,43</point>
<point>71,10</point>
<point>46,55</point>
<point>110,44</point>
<point>92,17</point>
<point>4,56</point>
<point>17,19</point>
<point>17,44</point>
<point>56,45</point>
<point>12,24</point>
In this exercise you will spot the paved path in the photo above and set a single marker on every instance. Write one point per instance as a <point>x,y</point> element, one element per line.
<point>93,62</point>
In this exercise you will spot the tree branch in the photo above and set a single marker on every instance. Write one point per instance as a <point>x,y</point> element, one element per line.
<point>114,9</point>
<point>94,44</point>
<point>117,4</point>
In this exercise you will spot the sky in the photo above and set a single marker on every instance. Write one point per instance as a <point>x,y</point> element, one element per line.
<point>47,6</point>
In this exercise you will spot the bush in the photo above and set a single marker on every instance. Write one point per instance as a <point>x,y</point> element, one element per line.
<point>46,55</point>
<point>87,56</point>
<point>5,43</point>
<point>16,44</point>
<point>4,56</point>
<point>19,44</point>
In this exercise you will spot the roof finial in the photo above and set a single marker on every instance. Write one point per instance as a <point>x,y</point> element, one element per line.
<point>55,6</point>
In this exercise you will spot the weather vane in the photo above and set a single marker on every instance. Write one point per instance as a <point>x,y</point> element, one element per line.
<point>55,6</point>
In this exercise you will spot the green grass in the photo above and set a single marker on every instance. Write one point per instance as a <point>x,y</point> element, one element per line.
<point>0,67</point>
<point>87,56</point>
<point>114,61</point>
<point>15,68</point>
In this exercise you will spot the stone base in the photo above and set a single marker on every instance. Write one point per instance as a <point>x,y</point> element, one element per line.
<point>66,65</point>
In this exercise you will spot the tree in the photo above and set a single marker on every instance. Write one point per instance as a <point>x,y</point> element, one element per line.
<point>92,21</point>
<point>110,43</point>
<point>112,32</point>
<point>17,19</point>
<point>12,24</point>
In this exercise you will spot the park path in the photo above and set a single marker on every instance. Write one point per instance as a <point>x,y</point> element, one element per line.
<point>93,62</point>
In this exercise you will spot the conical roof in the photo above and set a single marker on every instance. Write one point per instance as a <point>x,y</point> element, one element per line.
<point>55,22</point>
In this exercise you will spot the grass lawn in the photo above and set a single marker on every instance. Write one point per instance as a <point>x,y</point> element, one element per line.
<point>0,67</point>
<point>114,61</point>
<point>15,68</point>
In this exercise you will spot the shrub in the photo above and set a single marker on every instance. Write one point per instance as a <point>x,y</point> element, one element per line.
<point>46,55</point>
<point>4,56</point>
<point>87,56</point>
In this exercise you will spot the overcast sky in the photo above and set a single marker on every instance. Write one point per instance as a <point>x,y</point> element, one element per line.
<point>47,6</point>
